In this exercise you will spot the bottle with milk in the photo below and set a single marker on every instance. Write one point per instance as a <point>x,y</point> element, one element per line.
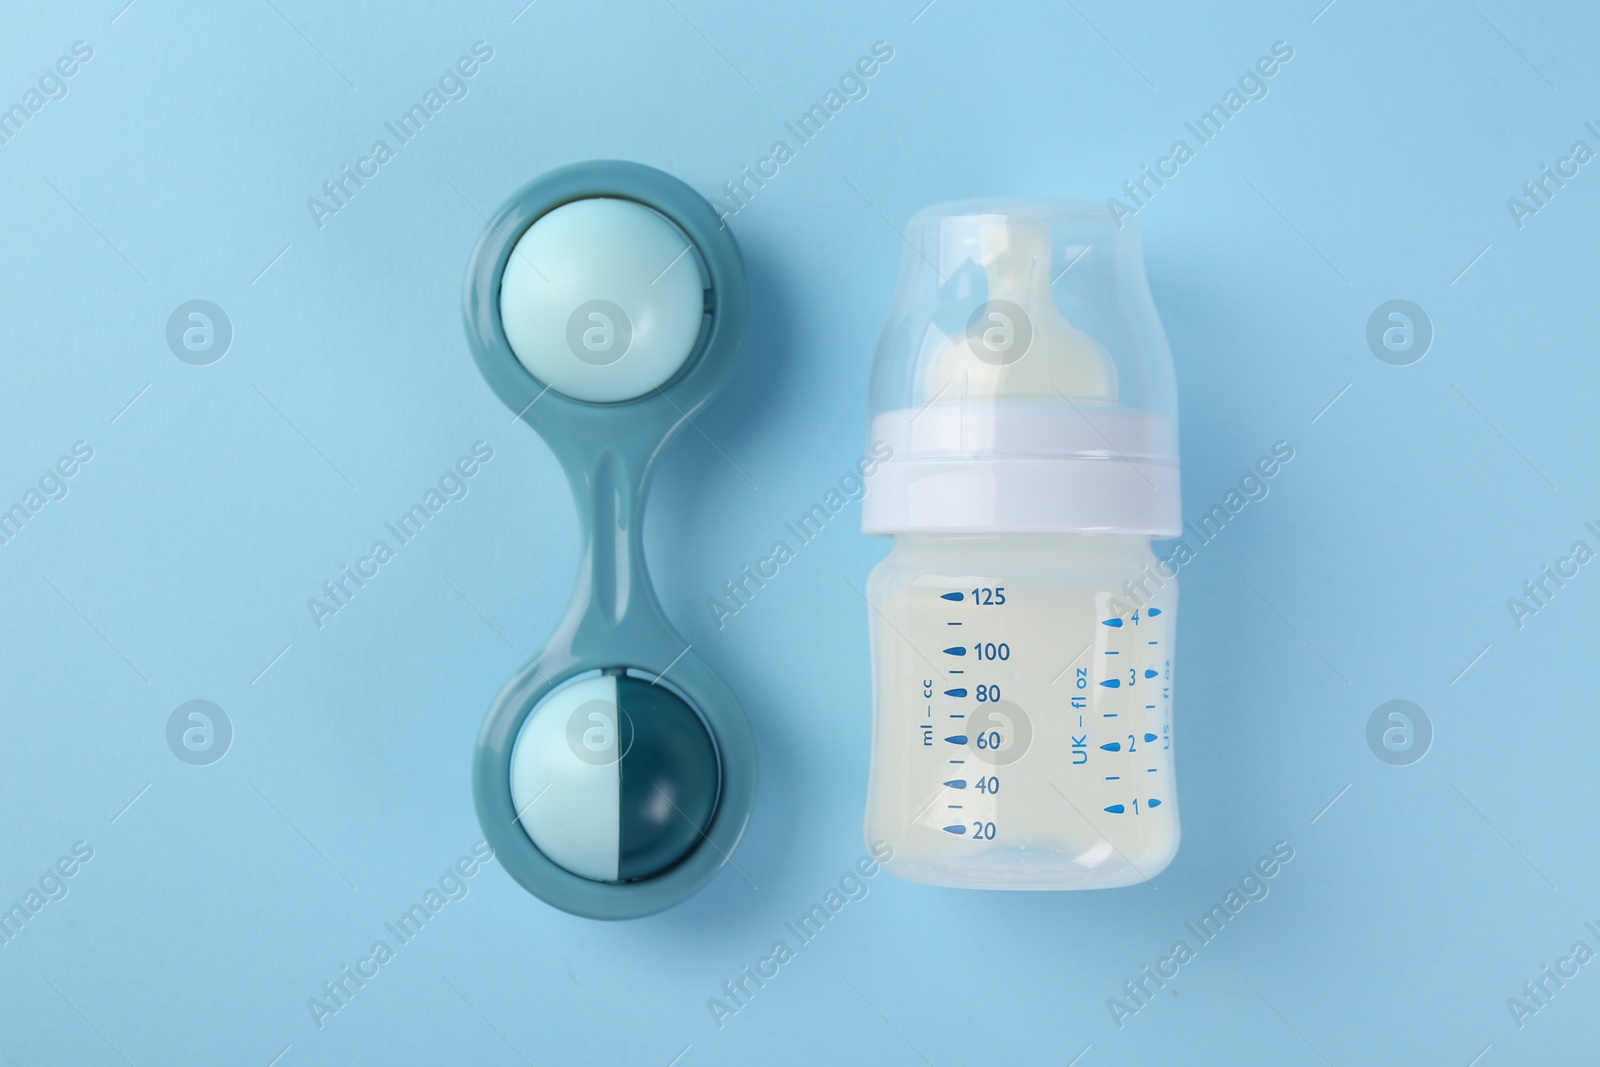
<point>1022,629</point>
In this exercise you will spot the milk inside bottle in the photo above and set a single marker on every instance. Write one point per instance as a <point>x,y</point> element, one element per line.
<point>1021,627</point>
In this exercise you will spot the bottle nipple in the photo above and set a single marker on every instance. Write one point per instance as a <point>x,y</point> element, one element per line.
<point>1018,344</point>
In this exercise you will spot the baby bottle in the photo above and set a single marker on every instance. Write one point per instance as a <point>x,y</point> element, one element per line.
<point>1022,628</point>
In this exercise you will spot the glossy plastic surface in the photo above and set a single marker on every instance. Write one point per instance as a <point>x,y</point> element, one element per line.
<point>602,300</point>
<point>614,776</point>
<point>1022,693</point>
<point>615,620</point>
<point>1023,380</point>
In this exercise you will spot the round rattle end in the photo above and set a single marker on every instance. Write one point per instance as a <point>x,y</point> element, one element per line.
<point>602,300</point>
<point>614,777</point>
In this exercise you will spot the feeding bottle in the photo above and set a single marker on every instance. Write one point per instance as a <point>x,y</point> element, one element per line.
<point>1022,628</point>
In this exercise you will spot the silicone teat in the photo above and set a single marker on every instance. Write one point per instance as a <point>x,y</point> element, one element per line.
<point>1018,344</point>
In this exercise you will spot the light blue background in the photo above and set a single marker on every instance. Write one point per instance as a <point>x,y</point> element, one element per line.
<point>1377,168</point>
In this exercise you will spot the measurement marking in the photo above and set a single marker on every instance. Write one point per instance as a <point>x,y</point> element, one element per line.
<point>958,672</point>
<point>1073,808</point>
<point>957,761</point>
<point>1469,666</point>
<point>952,805</point>
<point>1110,714</point>
<point>952,624</point>
<point>1152,770</point>
<point>1457,278</point>
<point>1326,406</point>
<point>130,804</point>
<point>1112,652</point>
<point>1330,804</point>
<point>1113,777</point>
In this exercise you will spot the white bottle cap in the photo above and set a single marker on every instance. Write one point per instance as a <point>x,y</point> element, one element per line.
<point>1023,382</point>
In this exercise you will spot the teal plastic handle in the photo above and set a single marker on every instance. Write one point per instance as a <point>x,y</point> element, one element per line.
<point>615,621</point>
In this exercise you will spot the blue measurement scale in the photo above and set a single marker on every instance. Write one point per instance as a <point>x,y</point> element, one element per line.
<point>1122,704</point>
<point>1100,740</point>
<point>980,731</point>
